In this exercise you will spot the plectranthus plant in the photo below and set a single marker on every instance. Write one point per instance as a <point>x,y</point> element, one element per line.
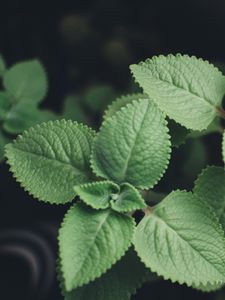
<point>24,86</point>
<point>113,239</point>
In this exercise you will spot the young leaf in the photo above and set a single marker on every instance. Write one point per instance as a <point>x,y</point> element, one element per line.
<point>97,194</point>
<point>49,159</point>
<point>210,187</point>
<point>73,110</point>
<point>2,66</point>
<point>26,81</point>
<point>128,199</point>
<point>119,283</point>
<point>133,146</point>
<point>182,240</point>
<point>90,242</point>
<point>187,89</point>
<point>121,102</point>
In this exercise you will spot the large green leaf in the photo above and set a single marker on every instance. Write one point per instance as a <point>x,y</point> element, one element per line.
<point>26,81</point>
<point>119,283</point>
<point>187,89</point>
<point>90,242</point>
<point>49,159</point>
<point>133,146</point>
<point>182,240</point>
<point>210,187</point>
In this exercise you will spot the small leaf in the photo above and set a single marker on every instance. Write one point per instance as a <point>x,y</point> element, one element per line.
<point>97,194</point>
<point>133,146</point>
<point>2,66</point>
<point>187,89</point>
<point>210,187</point>
<point>49,159</point>
<point>4,105</point>
<point>90,242</point>
<point>121,102</point>
<point>73,110</point>
<point>182,240</point>
<point>119,283</point>
<point>26,81</point>
<point>129,199</point>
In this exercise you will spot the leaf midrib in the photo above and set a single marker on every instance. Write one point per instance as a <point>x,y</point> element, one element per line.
<point>181,238</point>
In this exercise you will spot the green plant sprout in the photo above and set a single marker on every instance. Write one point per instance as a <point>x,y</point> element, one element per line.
<point>24,87</point>
<point>104,252</point>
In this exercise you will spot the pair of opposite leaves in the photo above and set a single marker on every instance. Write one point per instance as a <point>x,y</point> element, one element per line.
<point>58,145</point>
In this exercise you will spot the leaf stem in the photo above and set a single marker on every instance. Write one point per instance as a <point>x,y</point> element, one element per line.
<point>221,112</point>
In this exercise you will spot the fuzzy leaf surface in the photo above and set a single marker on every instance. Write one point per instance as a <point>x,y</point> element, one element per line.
<point>187,89</point>
<point>49,159</point>
<point>90,242</point>
<point>120,282</point>
<point>26,81</point>
<point>97,194</point>
<point>183,241</point>
<point>210,187</point>
<point>133,146</point>
<point>128,199</point>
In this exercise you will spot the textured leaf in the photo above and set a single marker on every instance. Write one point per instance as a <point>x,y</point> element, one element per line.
<point>97,194</point>
<point>119,283</point>
<point>26,81</point>
<point>128,199</point>
<point>49,159</point>
<point>121,102</point>
<point>4,105</point>
<point>209,287</point>
<point>182,240</point>
<point>90,242</point>
<point>2,66</point>
<point>210,187</point>
<point>187,89</point>
<point>136,134</point>
<point>22,116</point>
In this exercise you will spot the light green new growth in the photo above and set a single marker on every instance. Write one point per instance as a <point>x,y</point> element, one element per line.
<point>119,283</point>
<point>90,242</point>
<point>210,188</point>
<point>26,81</point>
<point>133,146</point>
<point>97,194</point>
<point>187,89</point>
<point>49,159</point>
<point>128,199</point>
<point>182,240</point>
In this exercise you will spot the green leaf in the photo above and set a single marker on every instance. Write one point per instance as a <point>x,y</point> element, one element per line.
<point>182,240</point>
<point>90,242</point>
<point>177,132</point>
<point>98,97</point>
<point>119,283</point>
<point>187,89</point>
<point>210,187</point>
<point>4,105</point>
<point>97,194</point>
<point>3,141</point>
<point>73,109</point>
<point>209,287</point>
<point>129,199</point>
<point>22,116</point>
<point>49,159</point>
<point>133,146</point>
<point>121,102</point>
<point>2,66</point>
<point>26,81</point>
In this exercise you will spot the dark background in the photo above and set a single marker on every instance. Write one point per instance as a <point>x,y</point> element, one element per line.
<point>83,43</point>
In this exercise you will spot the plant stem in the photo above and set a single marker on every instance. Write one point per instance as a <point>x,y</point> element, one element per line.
<point>221,112</point>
